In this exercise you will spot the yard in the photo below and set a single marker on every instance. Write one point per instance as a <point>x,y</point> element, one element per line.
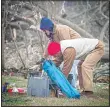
<point>101,90</point>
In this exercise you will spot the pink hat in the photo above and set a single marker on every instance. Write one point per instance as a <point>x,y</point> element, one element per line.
<point>53,48</point>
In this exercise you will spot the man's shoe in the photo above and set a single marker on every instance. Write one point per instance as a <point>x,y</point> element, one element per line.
<point>86,93</point>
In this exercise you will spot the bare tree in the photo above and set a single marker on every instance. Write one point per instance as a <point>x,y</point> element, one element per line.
<point>89,19</point>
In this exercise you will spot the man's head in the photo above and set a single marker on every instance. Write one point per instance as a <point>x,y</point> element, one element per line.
<point>54,49</point>
<point>47,26</point>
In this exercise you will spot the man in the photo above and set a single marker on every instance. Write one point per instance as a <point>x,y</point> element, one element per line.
<point>56,32</point>
<point>70,50</point>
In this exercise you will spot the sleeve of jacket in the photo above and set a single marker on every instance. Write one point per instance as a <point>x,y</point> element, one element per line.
<point>66,32</point>
<point>68,57</point>
<point>73,34</point>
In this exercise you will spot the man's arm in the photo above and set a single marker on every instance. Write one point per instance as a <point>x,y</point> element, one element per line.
<point>57,60</point>
<point>68,56</point>
<point>64,32</point>
<point>73,34</point>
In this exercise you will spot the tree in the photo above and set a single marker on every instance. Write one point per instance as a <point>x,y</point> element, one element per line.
<point>88,18</point>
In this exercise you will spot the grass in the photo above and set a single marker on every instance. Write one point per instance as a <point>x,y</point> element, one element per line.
<point>24,100</point>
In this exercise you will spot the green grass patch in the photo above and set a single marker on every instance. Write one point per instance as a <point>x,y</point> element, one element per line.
<point>24,100</point>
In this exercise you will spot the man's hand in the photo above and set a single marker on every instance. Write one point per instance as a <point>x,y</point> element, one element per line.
<point>40,61</point>
<point>46,56</point>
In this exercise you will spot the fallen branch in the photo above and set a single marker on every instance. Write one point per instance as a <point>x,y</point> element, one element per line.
<point>102,78</point>
<point>97,70</point>
<point>100,72</point>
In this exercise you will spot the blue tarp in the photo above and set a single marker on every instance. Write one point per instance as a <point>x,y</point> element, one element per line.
<point>59,79</point>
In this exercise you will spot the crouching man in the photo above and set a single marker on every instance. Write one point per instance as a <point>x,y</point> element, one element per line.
<point>70,50</point>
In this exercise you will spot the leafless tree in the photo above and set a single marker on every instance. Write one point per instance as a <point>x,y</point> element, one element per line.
<point>21,33</point>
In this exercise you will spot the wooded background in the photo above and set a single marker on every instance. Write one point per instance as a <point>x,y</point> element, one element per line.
<point>23,42</point>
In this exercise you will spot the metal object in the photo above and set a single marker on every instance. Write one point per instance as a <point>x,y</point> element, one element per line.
<point>38,86</point>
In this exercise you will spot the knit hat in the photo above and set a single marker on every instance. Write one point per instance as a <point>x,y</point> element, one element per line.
<point>46,24</point>
<point>53,48</point>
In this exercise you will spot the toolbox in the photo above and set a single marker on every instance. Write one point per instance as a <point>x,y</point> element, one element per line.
<point>37,85</point>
